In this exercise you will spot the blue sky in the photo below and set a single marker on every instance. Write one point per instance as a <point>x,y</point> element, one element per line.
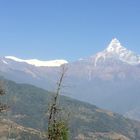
<point>69,29</point>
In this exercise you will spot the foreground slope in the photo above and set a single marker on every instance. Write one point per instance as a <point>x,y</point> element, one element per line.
<point>11,131</point>
<point>29,108</point>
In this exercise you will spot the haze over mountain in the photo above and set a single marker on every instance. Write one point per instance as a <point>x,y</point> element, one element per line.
<point>109,79</point>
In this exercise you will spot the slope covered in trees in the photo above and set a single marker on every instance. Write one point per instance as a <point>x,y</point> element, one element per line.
<point>29,106</point>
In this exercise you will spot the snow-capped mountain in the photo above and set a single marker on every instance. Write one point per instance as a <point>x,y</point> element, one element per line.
<point>109,79</point>
<point>116,50</point>
<point>38,63</point>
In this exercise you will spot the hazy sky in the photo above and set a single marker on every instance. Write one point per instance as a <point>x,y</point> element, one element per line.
<point>69,29</point>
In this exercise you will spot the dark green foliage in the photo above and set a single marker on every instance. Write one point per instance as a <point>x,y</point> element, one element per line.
<point>61,131</point>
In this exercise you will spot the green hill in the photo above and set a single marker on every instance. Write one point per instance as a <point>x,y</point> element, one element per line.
<point>28,107</point>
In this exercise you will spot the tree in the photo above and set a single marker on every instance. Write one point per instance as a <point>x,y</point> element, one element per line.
<point>57,127</point>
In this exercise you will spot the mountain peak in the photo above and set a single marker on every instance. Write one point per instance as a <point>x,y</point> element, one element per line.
<point>115,40</point>
<point>117,51</point>
<point>115,46</point>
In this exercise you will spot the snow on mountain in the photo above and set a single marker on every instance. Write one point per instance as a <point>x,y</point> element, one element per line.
<point>115,47</point>
<point>116,50</point>
<point>4,62</point>
<point>38,63</point>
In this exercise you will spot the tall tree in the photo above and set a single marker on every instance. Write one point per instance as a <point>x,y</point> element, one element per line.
<point>57,127</point>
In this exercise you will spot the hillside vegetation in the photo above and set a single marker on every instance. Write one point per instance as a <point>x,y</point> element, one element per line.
<point>29,106</point>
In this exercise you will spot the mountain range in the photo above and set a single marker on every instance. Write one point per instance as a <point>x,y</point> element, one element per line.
<point>110,79</point>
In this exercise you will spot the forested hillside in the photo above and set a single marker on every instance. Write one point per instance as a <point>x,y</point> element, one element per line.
<point>29,105</point>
